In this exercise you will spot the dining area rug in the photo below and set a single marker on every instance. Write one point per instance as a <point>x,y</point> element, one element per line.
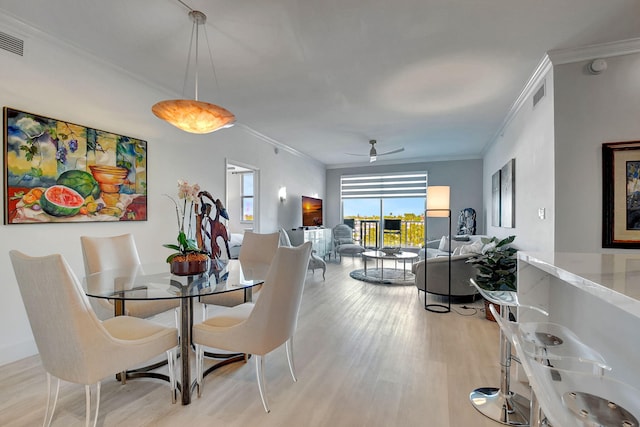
<point>391,276</point>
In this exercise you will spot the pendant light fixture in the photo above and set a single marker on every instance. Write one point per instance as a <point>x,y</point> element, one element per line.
<point>192,115</point>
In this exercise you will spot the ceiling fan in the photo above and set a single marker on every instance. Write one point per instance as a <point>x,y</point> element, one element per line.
<point>373,153</point>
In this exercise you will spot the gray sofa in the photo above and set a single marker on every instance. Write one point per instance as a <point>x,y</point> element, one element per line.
<point>438,273</point>
<point>438,265</point>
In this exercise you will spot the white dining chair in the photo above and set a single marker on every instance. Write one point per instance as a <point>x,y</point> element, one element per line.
<point>74,345</point>
<point>256,253</point>
<point>116,252</point>
<point>259,328</point>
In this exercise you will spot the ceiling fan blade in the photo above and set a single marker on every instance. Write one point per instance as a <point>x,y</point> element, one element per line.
<point>398,150</point>
<point>359,154</point>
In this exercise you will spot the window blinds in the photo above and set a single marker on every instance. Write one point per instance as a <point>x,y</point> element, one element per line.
<point>413,184</point>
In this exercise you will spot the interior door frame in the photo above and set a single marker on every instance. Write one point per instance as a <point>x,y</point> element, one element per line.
<point>256,189</point>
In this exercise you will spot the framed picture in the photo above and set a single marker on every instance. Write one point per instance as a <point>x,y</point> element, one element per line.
<point>56,171</point>
<point>495,199</point>
<point>508,194</point>
<point>621,195</point>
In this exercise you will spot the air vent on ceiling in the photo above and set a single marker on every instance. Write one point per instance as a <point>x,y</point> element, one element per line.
<point>539,94</point>
<point>11,44</point>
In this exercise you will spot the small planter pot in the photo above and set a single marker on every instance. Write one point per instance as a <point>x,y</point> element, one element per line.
<point>181,267</point>
<point>487,312</point>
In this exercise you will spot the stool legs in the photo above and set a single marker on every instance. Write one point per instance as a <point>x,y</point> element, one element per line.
<point>501,404</point>
<point>535,416</point>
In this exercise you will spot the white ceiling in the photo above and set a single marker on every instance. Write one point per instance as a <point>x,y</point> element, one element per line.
<point>436,77</point>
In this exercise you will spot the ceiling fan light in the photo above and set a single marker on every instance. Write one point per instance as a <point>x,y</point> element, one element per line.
<point>373,159</point>
<point>193,116</point>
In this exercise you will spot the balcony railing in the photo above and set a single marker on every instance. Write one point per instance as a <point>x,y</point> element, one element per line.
<point>367,233</point>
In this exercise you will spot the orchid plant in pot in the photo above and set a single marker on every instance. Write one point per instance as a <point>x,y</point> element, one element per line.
<point>189,258</point>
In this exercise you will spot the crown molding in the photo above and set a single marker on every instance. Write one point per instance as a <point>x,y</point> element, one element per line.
<point>559,57</point>
<point>544,66</point>
<point>276,144</point>
<point>601,50</point>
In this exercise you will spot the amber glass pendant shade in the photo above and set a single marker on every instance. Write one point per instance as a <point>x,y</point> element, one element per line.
<point>193,116</point>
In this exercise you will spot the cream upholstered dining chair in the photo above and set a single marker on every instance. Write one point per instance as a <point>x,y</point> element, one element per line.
<point>259,328</point>
<point>113,252</point>
<point>314,260</point>
<point>75,345</point>
<point>256,253</point>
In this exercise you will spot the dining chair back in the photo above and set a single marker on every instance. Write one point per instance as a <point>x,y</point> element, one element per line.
<point>118,252</point>
<point>258,250</point>
<point>255,256</point>
<point>74,345</point>
<point>264,326</point>
<point>274,317</point>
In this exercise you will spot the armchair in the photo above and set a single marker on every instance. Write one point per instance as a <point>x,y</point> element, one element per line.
<point>438,272</point>
<point>343,241</point>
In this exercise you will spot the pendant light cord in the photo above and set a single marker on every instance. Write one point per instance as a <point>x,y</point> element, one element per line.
<point>195,29</point>
<point>185,5</point>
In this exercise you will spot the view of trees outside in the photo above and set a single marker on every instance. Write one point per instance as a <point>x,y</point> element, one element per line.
<point>366,214</point>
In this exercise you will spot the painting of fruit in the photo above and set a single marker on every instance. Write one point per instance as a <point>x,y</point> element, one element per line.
<point>56,171</point>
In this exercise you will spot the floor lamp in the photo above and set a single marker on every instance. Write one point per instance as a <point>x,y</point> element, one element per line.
<point>438,207</point>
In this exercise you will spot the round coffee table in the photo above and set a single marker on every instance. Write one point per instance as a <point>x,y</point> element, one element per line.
<point>380,255</point>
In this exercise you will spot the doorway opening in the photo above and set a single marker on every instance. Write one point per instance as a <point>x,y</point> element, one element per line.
<point>243,201</point>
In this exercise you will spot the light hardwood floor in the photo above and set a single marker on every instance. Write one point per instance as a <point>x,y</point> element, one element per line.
<point>366,355</point>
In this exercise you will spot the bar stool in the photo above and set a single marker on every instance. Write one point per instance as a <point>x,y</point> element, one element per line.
<point>570,398</point>
<point>568,379</point>
<point>501,404</point>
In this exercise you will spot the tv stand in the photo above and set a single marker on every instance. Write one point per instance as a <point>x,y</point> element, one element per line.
<point>320,239</point>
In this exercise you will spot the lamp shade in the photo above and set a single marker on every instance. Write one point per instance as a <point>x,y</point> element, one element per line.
<point>193,116</point>
<point>438,201</point>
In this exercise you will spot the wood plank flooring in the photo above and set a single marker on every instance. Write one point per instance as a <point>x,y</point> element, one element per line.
<point>366,355</point>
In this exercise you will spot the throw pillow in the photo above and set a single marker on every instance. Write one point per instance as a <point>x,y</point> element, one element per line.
<point>472,248</point>
<point>444,244</point>
<point>488,247</point>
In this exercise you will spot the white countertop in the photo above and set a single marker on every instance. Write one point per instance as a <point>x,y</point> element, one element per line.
<point>566,284</point>
<point>614,278</point>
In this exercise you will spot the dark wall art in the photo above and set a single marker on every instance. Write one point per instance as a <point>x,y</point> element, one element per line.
<point>508,194</point>
<point>503,196</point>
<point>621,195</point>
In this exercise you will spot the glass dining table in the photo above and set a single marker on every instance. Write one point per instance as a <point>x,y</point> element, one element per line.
<point>155,282</point>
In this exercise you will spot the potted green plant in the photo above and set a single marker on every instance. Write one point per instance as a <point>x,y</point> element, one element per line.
<point>496,266</point>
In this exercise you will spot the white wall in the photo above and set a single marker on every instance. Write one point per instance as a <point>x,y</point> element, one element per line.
<point>56,81</point>
<point>557,147</point>
<point>590,110</point>
<point>528,138</point>
<point>464,177</point>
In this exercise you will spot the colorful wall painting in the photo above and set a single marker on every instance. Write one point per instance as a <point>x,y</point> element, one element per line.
<point>56,171</point>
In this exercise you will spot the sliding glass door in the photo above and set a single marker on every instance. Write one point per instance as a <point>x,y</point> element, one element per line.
<point>368,200</point>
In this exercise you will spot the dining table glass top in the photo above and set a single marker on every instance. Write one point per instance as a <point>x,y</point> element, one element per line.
<point>154,282</point>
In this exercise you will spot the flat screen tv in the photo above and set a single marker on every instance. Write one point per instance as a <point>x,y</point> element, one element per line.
<point>311,212</point>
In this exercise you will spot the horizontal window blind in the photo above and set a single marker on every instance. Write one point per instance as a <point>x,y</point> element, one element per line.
<point>413,184</point>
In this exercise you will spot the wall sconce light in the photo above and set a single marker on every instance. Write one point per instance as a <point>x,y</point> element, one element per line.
<point>282,194</point>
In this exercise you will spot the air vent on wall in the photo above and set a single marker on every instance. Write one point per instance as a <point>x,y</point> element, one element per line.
<point>539,94</point>
<point>11,44</point>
